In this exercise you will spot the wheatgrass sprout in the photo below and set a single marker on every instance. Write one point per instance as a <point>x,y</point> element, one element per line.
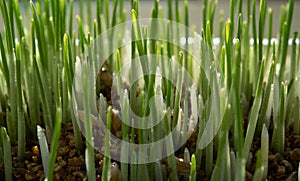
<point>258,174</point>
<point>54,144</point>
<point>253,116</point>
<point>171,158</point>
<point>88,107</point>
<point>106,174</point>
<point>125,130</point>
<point>193,169</point>
<point>44,149</point>
<point>278,138</point>
<point>7,156</point>
<point>215,94</point>
<point>265,150</point>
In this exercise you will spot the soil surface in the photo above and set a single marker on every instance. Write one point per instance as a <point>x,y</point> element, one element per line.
<point>70,163</point>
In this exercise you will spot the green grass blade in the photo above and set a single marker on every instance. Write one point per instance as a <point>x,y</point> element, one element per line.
<point>12,117</point>
<point>261,28</point>
<point>208,36</point>
<point>278,136</point>
<point>158,171</point>
<point>254,32</point>
<point>296,123</point>
<point>39,30</point>
<point>238,123</point>
<point>240,170</point>
<point>266,98</point>
<point>7,155</point>
<point>232,19</point>
<point>228,64</point>
<point>209,159</point>
<point>178,92</point>
<point>43,91</point>
<point>106,5</point>
<point>204,14</point>
<point>125,133</point>
<point>44,149</point>
<point>89,14</point>
<point>139,44</point>
<point>286,36</point>
<point>99,13</point>
<point>21,117</point>
<point>221,30</point>
<point>186,23</point>
<point>212,12</point>
<point>270,27</point>
<point>290,16</point>
<point>18,19</point>
<point>8,26</point>
<point>240,27</point>
<point>193,169</point>
<point>177,13</point>
<point>218,169</point>
<point>81,14</point>
<point>106,168</point>
<point>293,66</point>
<point>265,150</point>
<point>54,143</point>
<point>258,174</point>
<point>169,147</point>
<point>299,172</point>
<point>71,17</point>
<point>283,17</point>
<point>90,162</point>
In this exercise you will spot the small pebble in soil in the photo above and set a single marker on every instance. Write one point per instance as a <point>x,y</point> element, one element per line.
<point>36,168</point>
<point>35,159</point>
<point>287,165</point>
<point>281,170</point>
<point>75,161</point>
<point>296,154</point>
<point>98,156</point>
<point>35,150</point>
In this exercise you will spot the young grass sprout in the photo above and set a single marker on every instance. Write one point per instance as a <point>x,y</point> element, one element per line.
<point>156,99</point>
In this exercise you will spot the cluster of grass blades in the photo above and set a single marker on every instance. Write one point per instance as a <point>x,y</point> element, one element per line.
<point>215,99</point>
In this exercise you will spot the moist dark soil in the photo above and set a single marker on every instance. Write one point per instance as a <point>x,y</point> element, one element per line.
<point>70,163</point>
